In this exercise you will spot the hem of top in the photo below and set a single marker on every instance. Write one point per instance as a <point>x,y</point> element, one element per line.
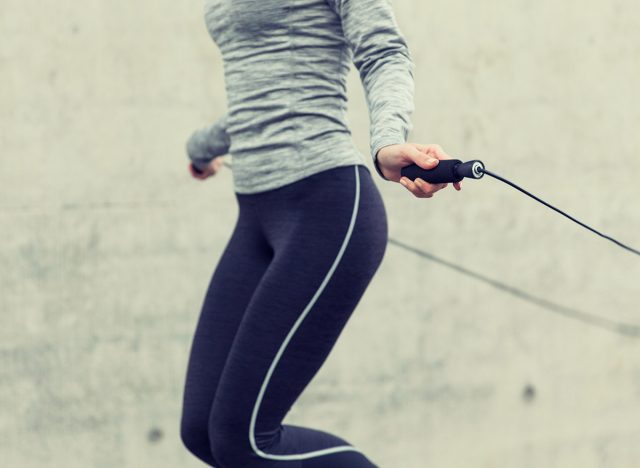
<point>296,177</point>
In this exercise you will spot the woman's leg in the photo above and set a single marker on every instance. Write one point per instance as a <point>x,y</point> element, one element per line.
<point>233,282</point>
<point>329,234</point>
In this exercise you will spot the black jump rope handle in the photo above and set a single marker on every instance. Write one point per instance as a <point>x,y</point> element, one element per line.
<point>196,170</point>
<point>447,170</point>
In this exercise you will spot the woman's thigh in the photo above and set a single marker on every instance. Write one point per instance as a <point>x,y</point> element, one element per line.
<point>233,282</point>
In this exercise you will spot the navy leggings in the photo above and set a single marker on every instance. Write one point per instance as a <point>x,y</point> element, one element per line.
<point>297,264</point>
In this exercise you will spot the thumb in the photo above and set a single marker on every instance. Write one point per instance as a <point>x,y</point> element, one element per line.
<point>424,160</point>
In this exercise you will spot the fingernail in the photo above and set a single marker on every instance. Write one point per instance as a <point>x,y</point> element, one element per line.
<point>403,182</point>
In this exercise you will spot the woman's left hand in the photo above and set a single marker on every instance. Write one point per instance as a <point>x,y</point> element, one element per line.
<point>392,158</point>
<point>212,169</point>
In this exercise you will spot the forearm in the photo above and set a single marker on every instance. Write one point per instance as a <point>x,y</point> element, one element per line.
<point>381,55</point>
<point>389,90</point>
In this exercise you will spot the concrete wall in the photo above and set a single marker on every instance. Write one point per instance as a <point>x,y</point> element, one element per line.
<point>108,244</point>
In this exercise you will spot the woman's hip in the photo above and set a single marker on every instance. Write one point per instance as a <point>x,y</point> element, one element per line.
<point>322,211</point>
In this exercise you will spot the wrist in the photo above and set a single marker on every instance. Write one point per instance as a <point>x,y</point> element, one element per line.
<point>376,164</point>
<point>378,157</point>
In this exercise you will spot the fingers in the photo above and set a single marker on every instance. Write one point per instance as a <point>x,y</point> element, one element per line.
<point>427,157</point>
<point>426,187</point>
<point>432,150</point>
<point>421,189</point>
<point>421,158</point>
<point>438,152</point>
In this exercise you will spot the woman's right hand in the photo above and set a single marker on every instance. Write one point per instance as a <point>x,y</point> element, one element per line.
<point>210,170</point>
<point>392,158</point>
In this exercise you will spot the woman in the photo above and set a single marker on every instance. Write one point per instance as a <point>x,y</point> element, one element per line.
<point>312,228</point>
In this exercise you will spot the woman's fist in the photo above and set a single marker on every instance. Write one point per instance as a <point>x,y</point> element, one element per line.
<point>210,170</point>
<point>392,158</point>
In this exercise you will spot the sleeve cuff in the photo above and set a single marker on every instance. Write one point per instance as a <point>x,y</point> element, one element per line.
<point>380,143</point>
<point>199,151</point>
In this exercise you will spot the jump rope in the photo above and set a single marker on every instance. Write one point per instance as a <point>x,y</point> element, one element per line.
<point>454,170</point>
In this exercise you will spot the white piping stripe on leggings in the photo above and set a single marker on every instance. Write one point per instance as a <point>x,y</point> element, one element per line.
<point>265,383</point>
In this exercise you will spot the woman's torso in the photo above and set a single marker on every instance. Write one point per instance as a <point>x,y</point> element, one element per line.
<point>285,64</point>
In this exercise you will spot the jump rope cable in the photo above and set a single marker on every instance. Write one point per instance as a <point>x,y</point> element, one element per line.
<point>558,210</point>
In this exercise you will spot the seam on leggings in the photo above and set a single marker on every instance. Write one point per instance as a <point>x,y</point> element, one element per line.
<point>296,325</point>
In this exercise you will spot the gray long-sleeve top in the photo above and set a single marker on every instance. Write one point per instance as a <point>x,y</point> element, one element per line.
<point>285,64</point>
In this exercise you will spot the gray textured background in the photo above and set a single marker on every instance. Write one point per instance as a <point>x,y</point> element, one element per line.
<point>108,245</point>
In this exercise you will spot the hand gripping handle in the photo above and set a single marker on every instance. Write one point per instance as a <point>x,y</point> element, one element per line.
<point>447,170</point>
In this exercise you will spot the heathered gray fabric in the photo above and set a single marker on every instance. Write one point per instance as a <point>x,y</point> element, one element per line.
<point>285,64</point>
